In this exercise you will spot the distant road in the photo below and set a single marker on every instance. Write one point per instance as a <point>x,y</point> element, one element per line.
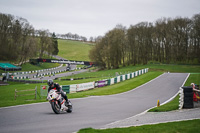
<point>61,75</point>
<point>95,112</point>
<point>58,57</point>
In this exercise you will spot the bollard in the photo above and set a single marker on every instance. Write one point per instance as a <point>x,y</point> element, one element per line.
<point>158,103</point>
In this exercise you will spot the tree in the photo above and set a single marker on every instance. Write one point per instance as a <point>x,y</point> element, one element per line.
<point>167,41</point>
<point>195,38</point>
<point>55,44</point>
<point>91,39</point>
<point>45,43</point>
<point>5,35</point>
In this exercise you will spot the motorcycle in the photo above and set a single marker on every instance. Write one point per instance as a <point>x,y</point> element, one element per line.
<point>58,102</point>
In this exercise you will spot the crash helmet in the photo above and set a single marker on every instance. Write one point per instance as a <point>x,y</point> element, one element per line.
<point>193,85</point>
<point>50,82</point>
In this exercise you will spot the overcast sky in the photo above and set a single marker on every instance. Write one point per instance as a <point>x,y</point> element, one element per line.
<point>95,17</point>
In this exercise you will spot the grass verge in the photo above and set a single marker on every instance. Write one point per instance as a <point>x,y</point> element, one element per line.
<point>190,126</point>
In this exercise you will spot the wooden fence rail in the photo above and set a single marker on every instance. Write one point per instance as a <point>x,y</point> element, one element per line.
<point>35,93</point>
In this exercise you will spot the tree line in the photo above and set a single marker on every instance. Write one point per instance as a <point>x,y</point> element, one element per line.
<point>166,40</point>
<point>71,36</point>
<point>76,37</point>
<point>19,41</point>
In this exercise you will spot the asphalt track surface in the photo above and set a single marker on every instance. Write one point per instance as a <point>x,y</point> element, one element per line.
<point>95,112</point>
<point>62,75</point>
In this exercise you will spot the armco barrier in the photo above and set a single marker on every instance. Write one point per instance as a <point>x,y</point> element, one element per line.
<point>40,75</point>
<point>35,71</point>
<point>115,80</point>
<point>109,82</point>
<point>112,81</point>
<point>25,81</point>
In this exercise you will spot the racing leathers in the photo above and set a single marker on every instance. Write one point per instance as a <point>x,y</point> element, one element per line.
<point>57,87</point>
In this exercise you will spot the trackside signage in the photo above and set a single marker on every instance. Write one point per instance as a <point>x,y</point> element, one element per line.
<point>85,86</point>
<point>68,62</point>
<point>101,83</point>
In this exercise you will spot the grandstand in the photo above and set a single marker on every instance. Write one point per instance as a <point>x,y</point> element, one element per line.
<point>9,67</point>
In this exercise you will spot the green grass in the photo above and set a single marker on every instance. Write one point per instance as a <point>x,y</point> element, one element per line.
<point>29,67</point>
<point>174,68</point>
<point>174,104</point>
<point>193,78</point>
<point>8,93</point>
<point>74,50</point>
<point>190,126</point>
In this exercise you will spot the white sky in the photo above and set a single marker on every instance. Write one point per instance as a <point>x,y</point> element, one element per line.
<point>95,17</point>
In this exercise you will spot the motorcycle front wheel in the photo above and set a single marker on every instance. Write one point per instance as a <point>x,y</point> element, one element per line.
<point>69,110</point>
<point>56,107</point>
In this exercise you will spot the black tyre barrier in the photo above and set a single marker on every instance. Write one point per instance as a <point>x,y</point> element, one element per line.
<point>189,94</point>
<point>188,105</point>
<point>188,97</point>
<point>188,101</point>
<point>187,89</point>
<point>26,81</point>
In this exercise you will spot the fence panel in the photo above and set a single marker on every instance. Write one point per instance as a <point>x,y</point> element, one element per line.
<point>43,90</point>
<point>66,88</point>
<point>28,90</point>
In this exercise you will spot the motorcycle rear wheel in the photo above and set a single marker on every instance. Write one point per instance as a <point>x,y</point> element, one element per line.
<point>69,110</point>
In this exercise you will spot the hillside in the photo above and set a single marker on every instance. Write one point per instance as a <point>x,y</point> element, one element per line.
<point>74,50</point>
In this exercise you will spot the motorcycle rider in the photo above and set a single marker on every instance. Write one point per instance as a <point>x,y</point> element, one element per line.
<point>57,87</point>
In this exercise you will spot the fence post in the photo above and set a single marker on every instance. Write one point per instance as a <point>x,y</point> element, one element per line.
<point>35,92</point>
<point>15,93</point>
